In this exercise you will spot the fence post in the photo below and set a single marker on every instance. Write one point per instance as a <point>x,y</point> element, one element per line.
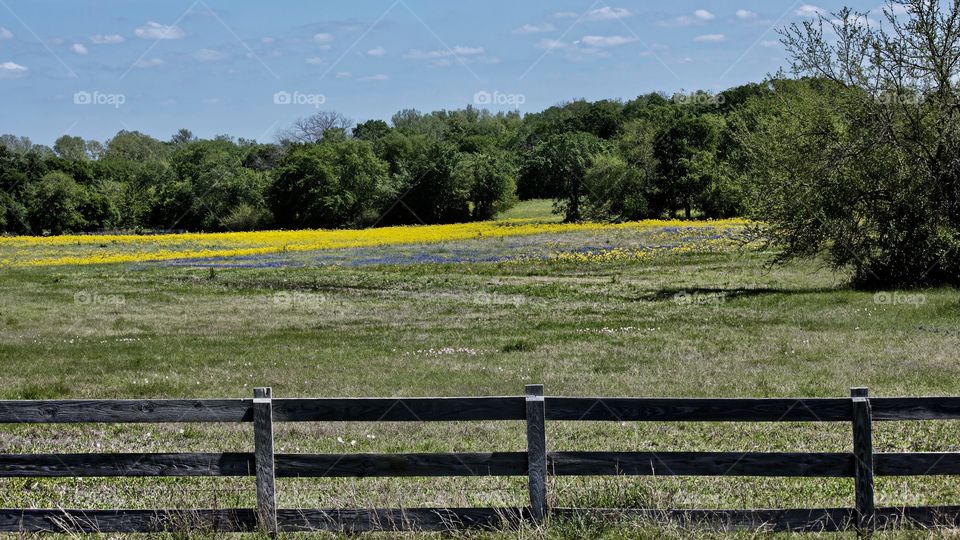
<point>536,452</point>
<point>263,453</point>
<point>863,458</point>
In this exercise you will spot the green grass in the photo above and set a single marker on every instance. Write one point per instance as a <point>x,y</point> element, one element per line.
<point>536,209</point>
<point>581,329</point>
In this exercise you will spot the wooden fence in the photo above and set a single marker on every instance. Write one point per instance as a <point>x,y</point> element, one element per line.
<point>537,463</point>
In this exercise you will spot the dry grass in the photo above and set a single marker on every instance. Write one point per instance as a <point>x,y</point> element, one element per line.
<point>615,328</point>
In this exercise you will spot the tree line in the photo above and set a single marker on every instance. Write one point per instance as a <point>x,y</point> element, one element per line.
<point>654,156</point>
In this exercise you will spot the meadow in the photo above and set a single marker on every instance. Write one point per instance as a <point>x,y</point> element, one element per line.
<point>636,309</point>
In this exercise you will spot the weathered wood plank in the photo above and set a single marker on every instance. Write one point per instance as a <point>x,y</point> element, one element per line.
<point>782,464</point>
<point>90,465</point>
<point>915,408</point>
<point>264,459</point>
<point>536,452</point>
<point>796,520</point>
<point>415,519</point>
<point>240,520</point>
<point>243,464</point>
<point>473,408</point>
<point>916,463</point>
<point>420,409</point>
<point>919,516</point>
<point>127,521</point>
<point>787,464</point>
<point>126,411</point>
<point>448,519</point>
<point>699,409</point>
<point>863,458</point>
<point>777,520</point>
<point>400,465</point>
<point>417,409</point>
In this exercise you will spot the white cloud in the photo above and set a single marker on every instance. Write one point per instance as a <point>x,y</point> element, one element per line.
<point>148,63</point>
<point>809,10</point>
<point>10,70</point>
<point>323,38</point>
<point>377,51</point>
<point>746,14</point>
<point>417,54</point>
<point>607,13</point>
<point>699,16</point>
<point>606,41</point>
<point>535,28</point>
<point>704,15</point>
<point>79,48</point>
<point>710,38</point>
<point>551,44</point>
<point>378,77</point>
<point>267,39</point>
<point>109,39</point>
<point>565,15</point>
<point>343,75</point>
<point>769,43</point>
<point>155,30</point>
<point>315,61</point>
<point>5,34</point>
<point>208,55</point>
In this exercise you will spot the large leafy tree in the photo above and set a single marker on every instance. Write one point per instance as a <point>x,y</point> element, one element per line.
<point>558,165</point>
<point>491,182</point>
<point>615,190</point>
<point>339,182</point>
<point>864,162</point>
<point>688,140</point>
<point>71,147</point>
<point>432,192</point>
<point>55,204</point>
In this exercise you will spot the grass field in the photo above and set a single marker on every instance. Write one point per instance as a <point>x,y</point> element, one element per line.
<point>431,319</point>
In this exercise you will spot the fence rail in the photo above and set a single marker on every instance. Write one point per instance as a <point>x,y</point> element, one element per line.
<point>538,463</point>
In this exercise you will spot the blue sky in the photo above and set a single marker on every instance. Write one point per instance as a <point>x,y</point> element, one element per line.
<point>248,68</point>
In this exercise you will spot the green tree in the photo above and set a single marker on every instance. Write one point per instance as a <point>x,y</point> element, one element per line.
<point>371,130</point>
<point>491,182</point>
<point>862,162</point>
<point>615,190</point>
<point>71,148</point>
<point>557,166</point>
<point>432,193</point>
<point>55,204</point>
<point>181,137</point>
<point>212,185</point>
<point>676,149</point>
<point>135,146</point>
<point>336,183</point>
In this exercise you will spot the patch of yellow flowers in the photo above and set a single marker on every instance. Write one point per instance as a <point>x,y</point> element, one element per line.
<point>108,249</point>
